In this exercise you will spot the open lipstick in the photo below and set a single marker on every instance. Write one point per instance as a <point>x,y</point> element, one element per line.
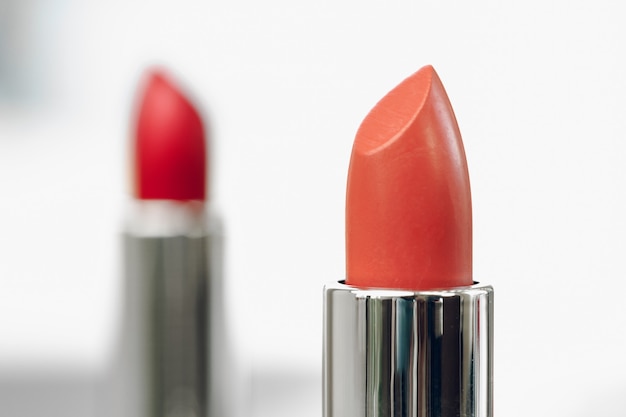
<point>164,340</point>
<point>409,332</point>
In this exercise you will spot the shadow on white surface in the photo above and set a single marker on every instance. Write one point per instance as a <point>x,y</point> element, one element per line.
<point>49,394</point>
<point>286,393</point>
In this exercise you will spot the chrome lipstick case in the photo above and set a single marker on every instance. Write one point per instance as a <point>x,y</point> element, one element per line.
<point>163,361</point>
<point>397,353</point>
<point>167,288</point>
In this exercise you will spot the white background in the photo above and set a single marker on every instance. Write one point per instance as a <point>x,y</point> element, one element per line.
<point>538,89</point>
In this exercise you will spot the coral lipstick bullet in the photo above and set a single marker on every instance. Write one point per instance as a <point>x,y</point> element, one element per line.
<point>408,205</point>
<point>409,332</point>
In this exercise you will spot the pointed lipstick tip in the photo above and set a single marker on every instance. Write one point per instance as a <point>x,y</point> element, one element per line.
<point>395,112</point>
<point>158,77</point>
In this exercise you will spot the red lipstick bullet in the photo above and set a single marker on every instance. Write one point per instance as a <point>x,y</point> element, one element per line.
<point>409,333</point>
<point>169,145</point>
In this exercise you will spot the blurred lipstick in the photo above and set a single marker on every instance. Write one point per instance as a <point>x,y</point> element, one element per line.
<point>164,356</point>
<point>410,332</point>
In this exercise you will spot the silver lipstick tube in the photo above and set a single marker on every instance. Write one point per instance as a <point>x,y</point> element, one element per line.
<point>397,353</point>
<point>163,362</point>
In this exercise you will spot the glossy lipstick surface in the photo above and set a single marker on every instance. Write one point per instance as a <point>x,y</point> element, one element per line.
<point>169,145</point>
<point>408,203</point>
